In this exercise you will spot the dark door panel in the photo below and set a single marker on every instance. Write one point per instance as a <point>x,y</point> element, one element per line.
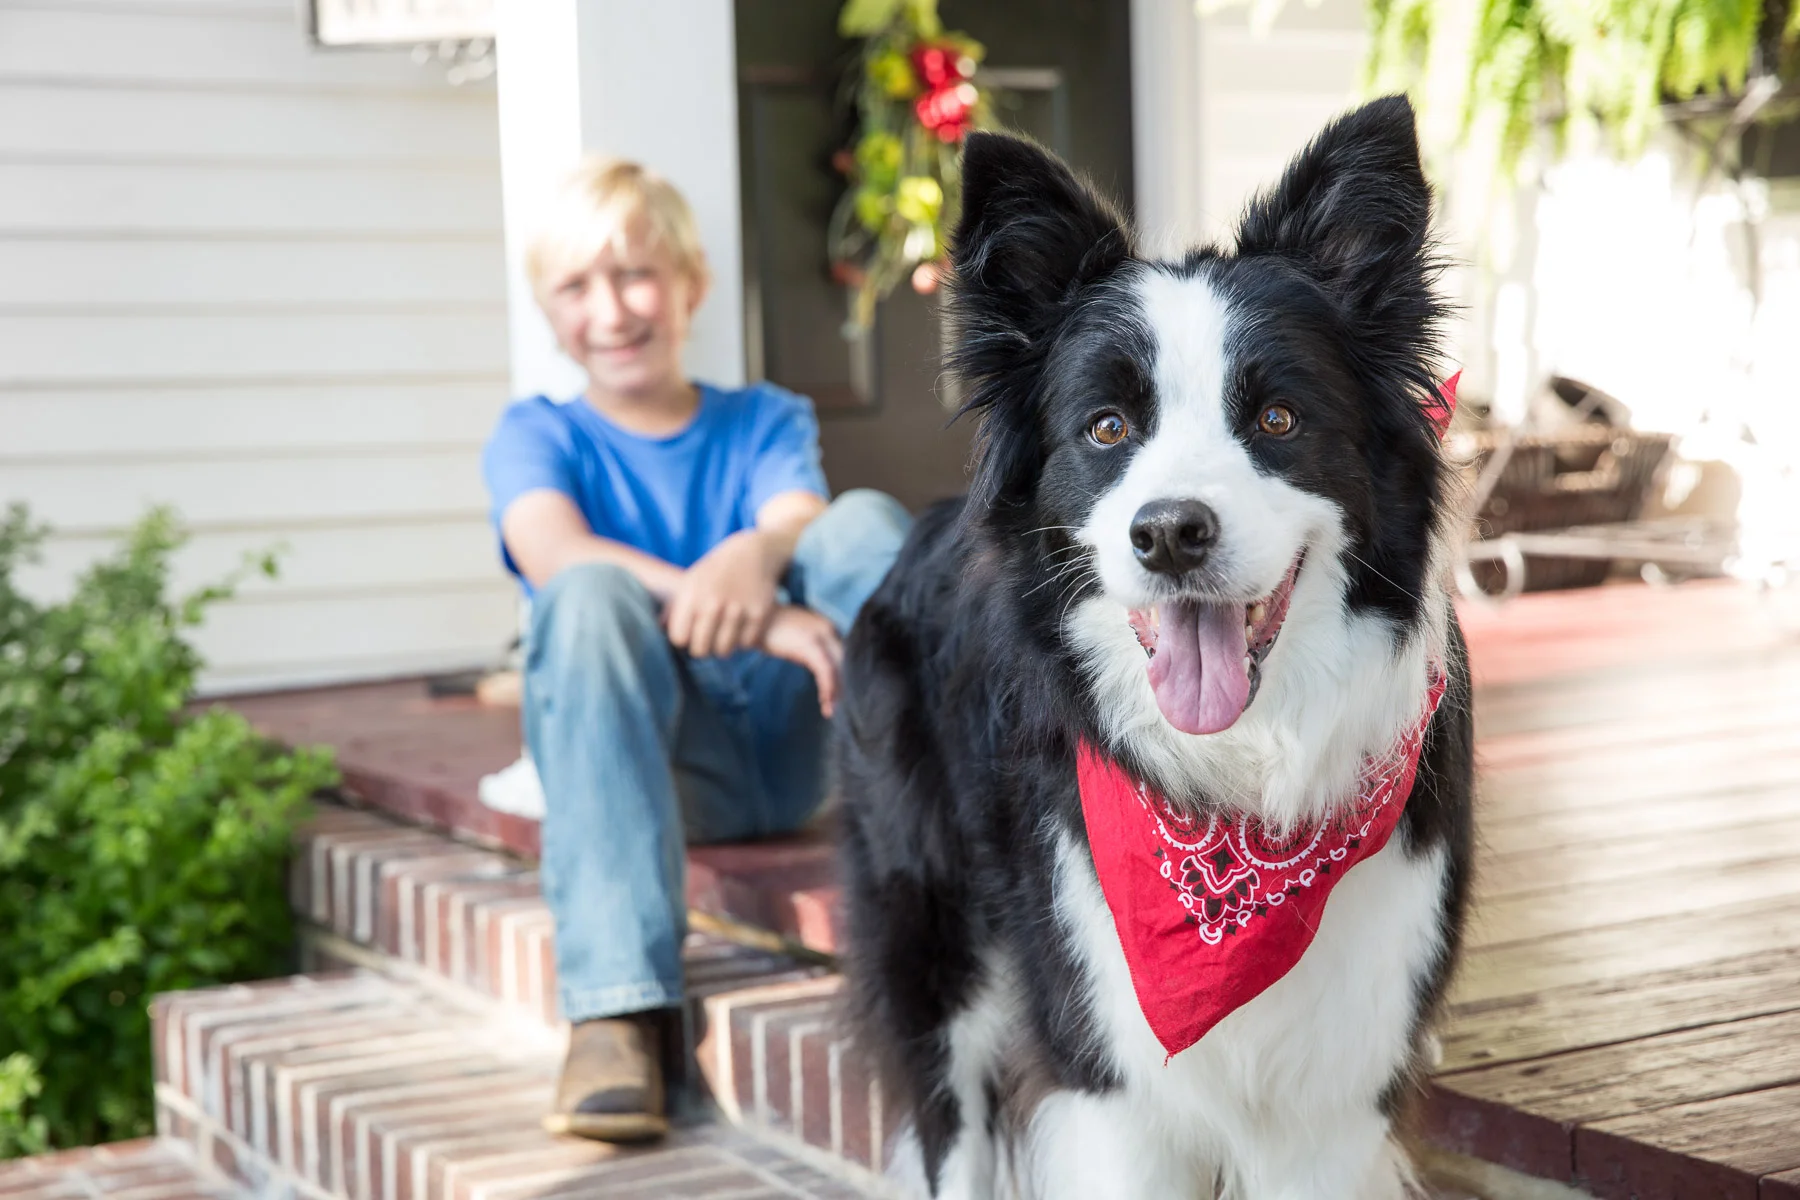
<point>1061,73</point>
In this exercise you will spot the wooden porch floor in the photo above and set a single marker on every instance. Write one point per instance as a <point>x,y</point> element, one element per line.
<point>1627,1016</point>
<point>1628,1009</point>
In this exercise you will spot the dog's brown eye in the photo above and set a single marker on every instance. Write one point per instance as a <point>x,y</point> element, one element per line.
<point>1277,420</point>
<point>1109,429</point>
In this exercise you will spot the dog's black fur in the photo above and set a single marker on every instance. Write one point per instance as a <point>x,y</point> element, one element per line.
<point>963,699</point>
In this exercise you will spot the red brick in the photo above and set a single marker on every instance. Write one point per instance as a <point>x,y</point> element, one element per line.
<point>382,1131</point>
<point>467,941</point>
<point>208,1031</point>
<point>297,1130</point>
<point>399,932</point>
<point>529,1156</point>
<point>333,1105</point>
<point>814,1120</point>
<point>778,1103</point>
<point>420,1158</point>
<point>618,1174</point>
<point>171,1122</point>
<point>234,1053</point>
<point>818,918</point>
<point>352,874</point>
<point>852,1089</point>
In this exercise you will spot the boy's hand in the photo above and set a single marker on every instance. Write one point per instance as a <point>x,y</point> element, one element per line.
<point>802,636</point>
<point>724,602</point>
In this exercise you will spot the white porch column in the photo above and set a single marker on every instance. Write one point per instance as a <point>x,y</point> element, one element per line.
<point>1166,99</point>
<point>655,82</point>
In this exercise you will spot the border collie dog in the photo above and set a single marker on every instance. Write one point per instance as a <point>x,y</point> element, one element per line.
<point>1202,554</point>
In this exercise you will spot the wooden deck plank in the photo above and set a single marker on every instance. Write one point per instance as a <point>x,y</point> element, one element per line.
<point>1629,693</point>
<point>1601,1082</point>
<point>1614,1008</point>
<point>1501,829</point>
<point>1676,859</point>
<point>1720,765</point>
<point>1536,1106</point>
<point>1528,916</point>
<point>1596,742</point>
<point>1785,1186</point>
<point>1556,635</point>
<point>1720,1147</point>
<point>1638,947</point>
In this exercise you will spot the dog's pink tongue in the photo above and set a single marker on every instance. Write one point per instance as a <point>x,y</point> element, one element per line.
<point>1199,674</point>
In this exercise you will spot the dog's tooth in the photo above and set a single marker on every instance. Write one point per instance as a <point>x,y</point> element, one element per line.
<point>1258,611</point>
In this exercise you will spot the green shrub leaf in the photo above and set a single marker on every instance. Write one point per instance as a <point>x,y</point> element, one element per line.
<point>143,845</point>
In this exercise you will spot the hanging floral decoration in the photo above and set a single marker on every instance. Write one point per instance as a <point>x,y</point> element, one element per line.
<point>916,99</point>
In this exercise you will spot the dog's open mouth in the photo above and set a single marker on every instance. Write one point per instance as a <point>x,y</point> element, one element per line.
<point>1206,655</point>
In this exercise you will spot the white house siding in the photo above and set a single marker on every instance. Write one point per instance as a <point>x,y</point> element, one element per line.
<point>263,283</point>
<point>1263,95</point>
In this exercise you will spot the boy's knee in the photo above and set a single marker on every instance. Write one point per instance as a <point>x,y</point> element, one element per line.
<point>592,609</point>
<point>867,504</point>
<point>866,513</point>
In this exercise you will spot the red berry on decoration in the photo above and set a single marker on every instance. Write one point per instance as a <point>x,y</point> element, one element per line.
<point>936,65</point>
<point>945,111</point>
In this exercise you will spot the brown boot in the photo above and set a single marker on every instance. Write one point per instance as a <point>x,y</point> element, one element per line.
<point>612,1081</point>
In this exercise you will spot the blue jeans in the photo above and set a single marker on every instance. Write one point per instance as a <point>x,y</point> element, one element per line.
<point>642,748</point>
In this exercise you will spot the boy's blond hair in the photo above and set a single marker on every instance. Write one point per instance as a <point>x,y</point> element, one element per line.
<point>592,210</point>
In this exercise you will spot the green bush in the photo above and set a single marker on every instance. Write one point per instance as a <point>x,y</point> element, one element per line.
<point>142,845</point>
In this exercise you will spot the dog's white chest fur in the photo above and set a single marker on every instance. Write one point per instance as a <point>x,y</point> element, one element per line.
<point>1273,1102</point>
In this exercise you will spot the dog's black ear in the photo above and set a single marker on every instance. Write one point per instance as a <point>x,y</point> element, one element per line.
<point>1353,208</point>
<point>1030,237</point>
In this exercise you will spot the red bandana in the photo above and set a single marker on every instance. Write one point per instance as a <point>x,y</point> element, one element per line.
<point>1211,911</point>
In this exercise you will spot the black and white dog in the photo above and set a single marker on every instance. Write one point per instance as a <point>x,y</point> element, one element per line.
<point>1229,461</point>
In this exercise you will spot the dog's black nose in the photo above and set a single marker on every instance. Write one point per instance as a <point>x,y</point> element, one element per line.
<point>1172,537</point>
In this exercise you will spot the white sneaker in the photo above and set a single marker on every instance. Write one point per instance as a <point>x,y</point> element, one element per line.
<point>515,789</point>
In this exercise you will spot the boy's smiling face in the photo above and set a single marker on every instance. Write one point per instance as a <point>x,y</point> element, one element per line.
<point>624,315</point>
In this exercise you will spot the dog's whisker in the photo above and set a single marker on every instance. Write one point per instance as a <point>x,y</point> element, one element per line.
<point>1062,572</point>
<point>1072,592</point>
<point>1406,591</point>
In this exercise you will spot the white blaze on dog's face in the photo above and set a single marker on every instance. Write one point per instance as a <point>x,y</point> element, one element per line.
<point>1212,446</point>
<point>1212,609</point>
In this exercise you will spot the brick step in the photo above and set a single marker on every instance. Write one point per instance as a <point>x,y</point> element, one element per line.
<point>420,759</point>
<point>777,1059</point>
<point>356,1086</point>
<point>146,1169</point>
<point>464,916</point>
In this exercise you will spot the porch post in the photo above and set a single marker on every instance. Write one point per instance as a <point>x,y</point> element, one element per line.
<point>1166,113</point>
<point>651,82</point>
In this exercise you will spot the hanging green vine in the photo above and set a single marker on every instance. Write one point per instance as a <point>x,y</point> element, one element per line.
<point>916,99</point>
<point>1617,63</point>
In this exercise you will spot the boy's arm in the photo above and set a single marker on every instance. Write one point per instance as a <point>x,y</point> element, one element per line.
<point>545,532</point>
<point>780,522</point>
<point>725,601</point>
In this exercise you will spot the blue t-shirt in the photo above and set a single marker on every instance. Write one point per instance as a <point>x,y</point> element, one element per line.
<point>675,497</point>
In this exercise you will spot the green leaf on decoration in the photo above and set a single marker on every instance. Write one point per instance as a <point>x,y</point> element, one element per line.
<point>866,18</point>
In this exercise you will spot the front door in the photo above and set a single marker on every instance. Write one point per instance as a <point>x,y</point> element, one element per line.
<point>1061,70</point>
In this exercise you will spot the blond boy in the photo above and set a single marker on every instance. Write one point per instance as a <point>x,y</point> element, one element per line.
<point>690,583</point>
